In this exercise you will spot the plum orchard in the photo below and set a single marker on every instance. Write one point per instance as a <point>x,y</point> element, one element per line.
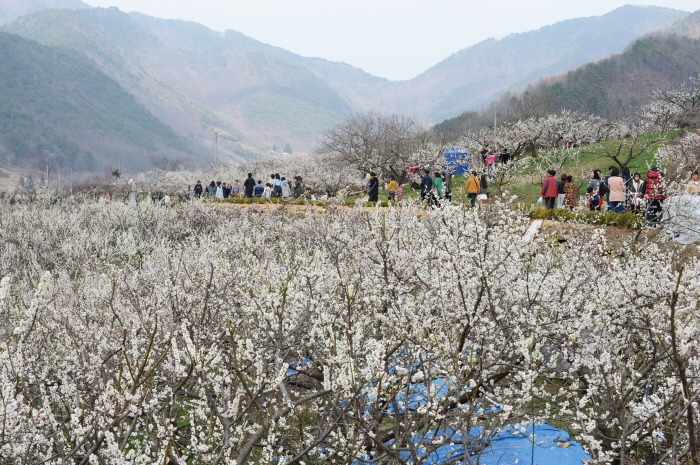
<point>321,172</point>
<point>158,335</point>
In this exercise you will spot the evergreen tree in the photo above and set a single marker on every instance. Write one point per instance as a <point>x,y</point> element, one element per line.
<point>27,183</point>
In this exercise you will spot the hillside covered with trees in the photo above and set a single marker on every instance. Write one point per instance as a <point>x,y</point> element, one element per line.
<point>56,103</point>
<point>615,87</point>
<point>201,82</point>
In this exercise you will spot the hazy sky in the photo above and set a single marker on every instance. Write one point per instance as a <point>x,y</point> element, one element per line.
<point>395,39</point>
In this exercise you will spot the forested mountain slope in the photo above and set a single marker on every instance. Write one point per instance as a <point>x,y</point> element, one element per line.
<point>200,82</point>
<point>616,86</point>
<point>197,80</point>
<point>477,75</point>
<point>70,29</point>
<point>619,85</point>
<point>268,95</point>
<point>58,104</point>
<point>263,89</point>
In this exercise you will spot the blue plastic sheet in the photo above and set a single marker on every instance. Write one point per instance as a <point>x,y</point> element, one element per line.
<point>549,447</point>
<point>414,396</point>
<point>411,398</point>
<point>296,367</point>
<point>539,444</point>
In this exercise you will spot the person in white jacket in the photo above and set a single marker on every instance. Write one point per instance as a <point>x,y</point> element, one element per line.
<point>286,191</point>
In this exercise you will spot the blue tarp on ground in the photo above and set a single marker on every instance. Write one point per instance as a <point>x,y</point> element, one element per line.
<point>416,395</point>
<point>511,445</point>
<point>296,367</point>
<point>549,448</point>
<point>409,398</point>
<point>457,161</point>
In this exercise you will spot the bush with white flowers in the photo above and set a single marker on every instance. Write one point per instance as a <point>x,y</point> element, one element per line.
<point>211,335</point>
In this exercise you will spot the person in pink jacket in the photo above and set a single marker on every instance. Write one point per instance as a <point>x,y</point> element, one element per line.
<point>618,192</point>
<point>550,190</point>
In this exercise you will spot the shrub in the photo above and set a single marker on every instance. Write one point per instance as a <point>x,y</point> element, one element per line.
<point>257,200</point>
<point>316,203</point>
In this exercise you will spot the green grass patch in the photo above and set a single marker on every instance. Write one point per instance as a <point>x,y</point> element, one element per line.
<point>591,157</point>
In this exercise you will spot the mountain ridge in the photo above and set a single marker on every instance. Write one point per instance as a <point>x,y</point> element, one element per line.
<point>200,82</point>
<point>13,9</point>
<point>54,105</point>
<point>614,87</point>
<point>488,56</point>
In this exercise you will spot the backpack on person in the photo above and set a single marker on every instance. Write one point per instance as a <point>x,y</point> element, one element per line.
<point>603,189</point>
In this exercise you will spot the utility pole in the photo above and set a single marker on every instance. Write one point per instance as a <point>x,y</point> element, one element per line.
<point>216,145</point>
<point>71,180</point>
<point>495,113</point>
<point>120,162</point>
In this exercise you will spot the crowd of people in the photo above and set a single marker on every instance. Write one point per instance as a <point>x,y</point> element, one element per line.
<point>276,187</point>
<point>621,190</point>
<point>489,157</point>
<point>434,187</point>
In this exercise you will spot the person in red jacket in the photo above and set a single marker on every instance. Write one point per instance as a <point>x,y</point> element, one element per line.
<point>550,190</point>
<point>654,194</point>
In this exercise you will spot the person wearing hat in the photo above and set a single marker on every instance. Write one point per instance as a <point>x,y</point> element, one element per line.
<point>373,187</point>
<point>298,187</point>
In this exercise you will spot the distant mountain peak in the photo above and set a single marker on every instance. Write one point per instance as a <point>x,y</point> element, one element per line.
<point>688,26</point>
<point>11,10</point>
<point>479,74</point>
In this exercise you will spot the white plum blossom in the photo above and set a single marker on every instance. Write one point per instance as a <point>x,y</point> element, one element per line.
<point>220,335</point>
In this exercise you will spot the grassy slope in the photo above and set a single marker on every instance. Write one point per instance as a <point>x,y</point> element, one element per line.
<point>579,168</point>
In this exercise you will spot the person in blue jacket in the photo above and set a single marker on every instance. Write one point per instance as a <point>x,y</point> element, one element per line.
<point>259,189</point>
<point>426,185</point>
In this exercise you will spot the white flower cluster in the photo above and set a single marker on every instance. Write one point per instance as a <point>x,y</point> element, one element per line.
<point>176,335</point>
